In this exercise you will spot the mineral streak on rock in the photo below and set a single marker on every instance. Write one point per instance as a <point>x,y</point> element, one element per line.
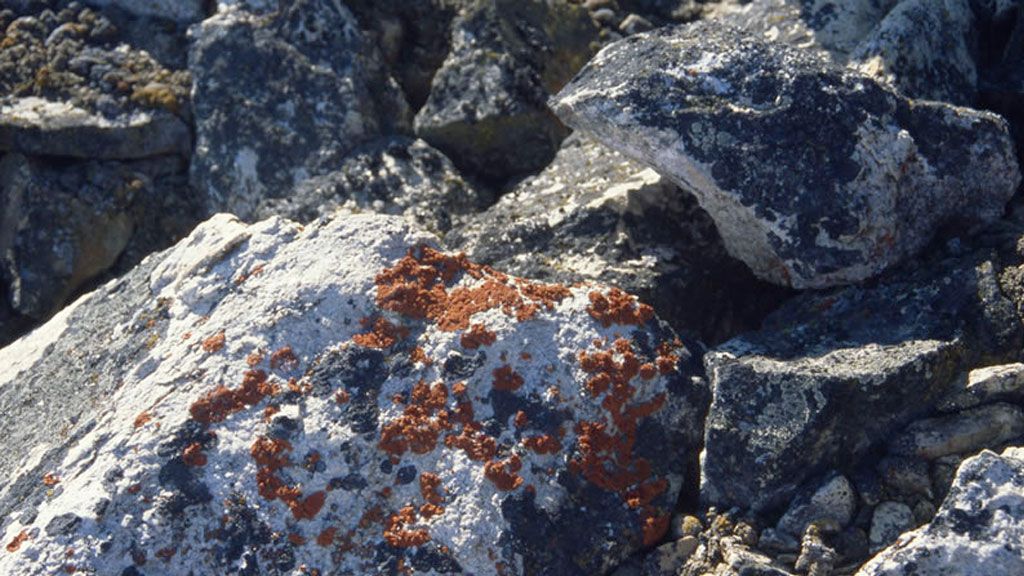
<point>814,175</point>
<point>353,444</point>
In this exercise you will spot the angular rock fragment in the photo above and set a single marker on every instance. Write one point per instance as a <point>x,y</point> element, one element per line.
<point>594,214</point>
<point>962,433</point>
<point>815,175</point>
<point>487,107</point>
<point>395,175</point>
<point>976,531</point>
<point>834,374</point>
<point>342,396</point>
<point>281,97</point>
<point>70,87</point>
<point>987,385</point>
<point>65,223</point>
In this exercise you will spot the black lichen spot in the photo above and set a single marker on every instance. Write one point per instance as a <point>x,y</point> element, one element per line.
<point>100,508</point>
<point>386,466</point>
<point>283,428</point>
<point>349,483</point>
<point>63,525</point>
<point>360,372</point>
<point>460,366</point>
<point>406,474</point>
<point>186,488</point>
<point>131,571</point>
<point>191,432</point>
<point>540,416</point>
<point>242,533</point>
<point>429,559</point>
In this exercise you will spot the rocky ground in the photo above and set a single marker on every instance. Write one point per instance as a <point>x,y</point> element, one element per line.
<point>537,287</point>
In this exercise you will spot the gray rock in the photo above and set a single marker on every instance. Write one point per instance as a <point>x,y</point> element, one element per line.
<point>889,521</point>
<point>181,10</point>
<point>69,86</point>
<point>814,175</point>
<point>294,380</point>
<point>487,107</point>
<point>669,558</point>
<point>65,223</point>
<point>833,374</point>
<point>593,214</point>
<point>987,385</point>
<point>282,97</point>
<point>395,175</point>
<point>923,48</point>
<point>963,433</point>
<point>832,504</point>
<point>977,530</point>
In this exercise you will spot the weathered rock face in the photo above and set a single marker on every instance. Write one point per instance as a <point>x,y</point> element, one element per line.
<point>594,214</point>
<point>814,175</point>
<point>487,107</point>
<point>307,67</point>
<point>180,10</point>
<point>975,531</point>
<point>69,88</point>
<point>65,222</point>
<point>395,175</point>
<point>344,397</point>
<point>832,374</point>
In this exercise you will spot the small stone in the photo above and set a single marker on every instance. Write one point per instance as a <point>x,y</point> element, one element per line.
<point>668,559</point>
<point>816,558</point>
<point>889,521</point>
<point>834,502</point>
<point>1002,383</point>
<point>905,476</point>
<point>635,24</point>
<point>924,511</point>
<point>686,525</point>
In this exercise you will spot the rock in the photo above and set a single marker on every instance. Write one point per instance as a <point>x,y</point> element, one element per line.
<point>815,175</point>
<point>726,548</point>
<point>308,68</point>
<point>905,476</point>
<point>976,529</point>
<point>635,24</point>
<point>835,374</point>
<point>65,223</point>
<point>963,433</point>
<point>181,10</point>
<point>68,89</point>
<point>669,558</point>
<point>816,558</point>
<point>889,521</point>
<point>832,504</point>
<point>593,214</point>
<point>345,397</point>
<point>923,48</point>
<point>395,175</point>
<point>988,385</point>
<point>487,107</point>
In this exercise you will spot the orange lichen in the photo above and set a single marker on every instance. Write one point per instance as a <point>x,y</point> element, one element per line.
<point>342,396</point>
<point>296,539</point>
<point>618,307</point>
<point>396,534</point>
<point>214,343</point>
<point>269,412</point>
<point>51,479</point>
<point>166,554</point>
<point>648,371</point>
<point>419,355</point>
<point>459,388</point>
<point>417,287</point>
<point>326,537</point>
<point>284,357</point>
<point>193,455</point>
<point>254,358</point>
<point>429,485</point>
<point>269,456</point>
<point>421,423</point>
<point>654,528</point>
<point>217,405</point>
<point>503,473</point>
<point>525,356</point>
<point>545,444</point>
<point>18,540</point>
<point>478,335</point>
<point>256,271</point>
<point>134,488</point>
<point>142,419</point>
<point>477,445</point>
<point>383,334</point>
<point>506,379</point>
<point>521,420</point>
<point>308,507</point>
<point>371,517</point>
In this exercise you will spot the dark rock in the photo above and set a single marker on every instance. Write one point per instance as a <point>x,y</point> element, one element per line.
<point>398,175</point>
<point>833,374</point>
<point>814,175</point>
<point>282,97</point>
<point>487,107</point>
<point>593,214</point>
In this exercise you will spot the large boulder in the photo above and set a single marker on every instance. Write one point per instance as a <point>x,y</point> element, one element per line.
<point>977,531</point>
<point>594,214</point>
<point>344,397</point>
<point>393,175</point>
<point>815,175</point>
<point>834,375</point>
<point>66,222</point>
<point>280,97</point>
<point>487,108</point>
<point>70,87</point>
